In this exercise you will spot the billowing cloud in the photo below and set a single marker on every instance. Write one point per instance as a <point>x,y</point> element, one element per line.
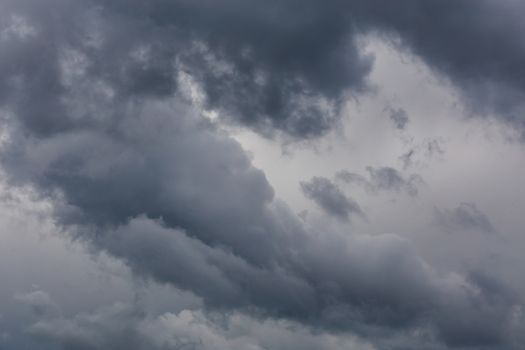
<point>103,110</point>
<point>467,41</point>
<point>376,287</point>
<point>269,67</point>
<point>279,66</point>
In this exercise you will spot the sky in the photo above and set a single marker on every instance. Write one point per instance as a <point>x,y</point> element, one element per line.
<point>246,174</point>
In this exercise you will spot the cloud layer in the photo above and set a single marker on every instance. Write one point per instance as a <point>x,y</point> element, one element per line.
<point>105,113</point>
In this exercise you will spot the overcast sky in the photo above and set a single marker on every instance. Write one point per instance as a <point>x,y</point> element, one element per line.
<point>246,174</point>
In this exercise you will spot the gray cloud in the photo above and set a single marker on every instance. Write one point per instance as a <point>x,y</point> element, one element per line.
<point>423,152</point>
<point>330,198</point>
<point>116,328</point>
<point>312,48</point>
<point>375,287</point>
<point>383,179</point>
<point>122,326</point>
<point>91,98</point>
<point>279,66</point>
<point>399,117</point>
<point>253,63</point>
<point>164,161</point>
<point>39,301</point>
<point>486,70</point>
<point>433,148</point>
<point>466,216</point>
<point>407,158</point>
<point>221,237</point>
<point>311,45</point>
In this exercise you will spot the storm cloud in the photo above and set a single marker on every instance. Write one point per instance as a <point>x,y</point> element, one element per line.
<point>279,66</point>
<point>105,114</point>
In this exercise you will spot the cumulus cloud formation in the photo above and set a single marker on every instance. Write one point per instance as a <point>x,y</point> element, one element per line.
<point>373,286</point>
<point>278,66</point>
<point>105,109</point>
<point>253,63</point>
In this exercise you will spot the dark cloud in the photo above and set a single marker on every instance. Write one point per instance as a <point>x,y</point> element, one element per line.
<point>279,66</point>
<point>466,216</point>
<point>162,161</point>
<point>473,43</point>
<point>283,52</point>
<point>383,179</point>
<point>92,98</point>
<point>375,287</point>
<point>485,324</point>
<point>178,201</point>
<point>282,66</point>
<point>330,198</point>
<point>220,235</point>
